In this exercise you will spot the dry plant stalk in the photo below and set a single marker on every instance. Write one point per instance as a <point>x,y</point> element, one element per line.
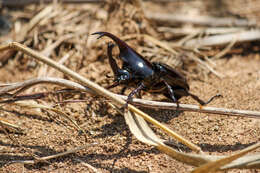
<point>44,107</point>
<point>242,36</point>
<point>21,86</point>
<point>44,159</point>
<point>206,163</point>
<point>198,20</point>
<point>87,165</point>
<point>10,125</point>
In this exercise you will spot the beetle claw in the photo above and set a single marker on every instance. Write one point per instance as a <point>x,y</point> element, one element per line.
<point>212,98</point>
<point>101,34</point>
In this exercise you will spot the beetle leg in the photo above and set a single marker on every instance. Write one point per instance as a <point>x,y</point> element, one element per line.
<point>123,90</point>
<point>111,60</point>
<point>115,84</point>
<point>201,101</point>
<point>171,93</point>
<point>139,95</point>
<point>135,91</point>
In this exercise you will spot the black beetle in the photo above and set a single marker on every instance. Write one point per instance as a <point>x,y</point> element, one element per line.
<point>153,77</point>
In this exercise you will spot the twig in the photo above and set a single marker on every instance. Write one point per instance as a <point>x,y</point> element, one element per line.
<point>34,21</point>
<point>192,56</point>
<point>250,35</point>
<point>224,51</point>
<point>15,3</point>
<point>7,134</point>
<point>87,165</point>
<point>207,31</point>
<point>24,97</point>
<point>195,108</point>
<point>9,125</point>
<point>198,20</point>
<point>42,159</point>
<point>159,43</point>
<point>138,102</point>
<point>59,112</point>
<point>49,80</point>
<point>48,50</point>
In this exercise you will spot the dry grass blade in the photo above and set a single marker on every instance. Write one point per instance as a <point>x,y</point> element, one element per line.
<point>144,133</point>
<point>43,159</point>
<point>87,165</point>
<point>224,51</point>
<point>10,125</point>
<point>250,35</point>
<point>64,115</point>
<point>216,165</point>
<point>36,19</point>
<point>17,3</point>
<point>159,43</point>
<point>96,88</point>
<point>47,51</point>
<point>207,31</point>
<point>198,20</point>
<point>21,86</point>
<point>204,64</point>
<point>140,129</point>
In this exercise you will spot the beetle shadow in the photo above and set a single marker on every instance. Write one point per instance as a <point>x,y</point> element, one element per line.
<point>209,147</point>
<point>162,115</point>
<point>28,115</point>
<point>98,160</point>
<point>9,158</point>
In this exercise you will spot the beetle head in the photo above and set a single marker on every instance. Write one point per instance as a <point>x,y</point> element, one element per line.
<point>123,76</point>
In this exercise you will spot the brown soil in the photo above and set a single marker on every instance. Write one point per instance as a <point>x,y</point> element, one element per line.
<point>116,149</point>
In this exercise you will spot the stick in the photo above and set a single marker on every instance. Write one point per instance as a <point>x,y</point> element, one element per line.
<point>207,31</point>
<point>15,3</point>
<point>87,165</point>
<point>42,159</point>
<point>250,35</point>
<point>138,102</point>
<point>198,20</point>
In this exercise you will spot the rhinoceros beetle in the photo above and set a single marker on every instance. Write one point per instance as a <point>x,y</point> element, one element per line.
<point>152,77</point>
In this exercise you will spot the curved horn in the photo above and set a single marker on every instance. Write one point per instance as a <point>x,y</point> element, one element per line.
<point>121,44</point>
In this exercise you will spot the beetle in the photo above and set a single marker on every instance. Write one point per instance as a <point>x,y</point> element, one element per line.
<point>153,77</point>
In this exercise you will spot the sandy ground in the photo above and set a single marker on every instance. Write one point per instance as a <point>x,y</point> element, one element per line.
<point>113,148</point>
<point>117,150</point>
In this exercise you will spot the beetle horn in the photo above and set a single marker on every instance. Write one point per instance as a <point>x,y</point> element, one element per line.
<point>122,45</point>
<point>127,54</point>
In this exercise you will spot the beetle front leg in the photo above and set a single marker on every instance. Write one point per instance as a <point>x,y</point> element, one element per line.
<point>171,93</point>
<point>135,91</point>
<point>123,90</point>
<point>115,84</point>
